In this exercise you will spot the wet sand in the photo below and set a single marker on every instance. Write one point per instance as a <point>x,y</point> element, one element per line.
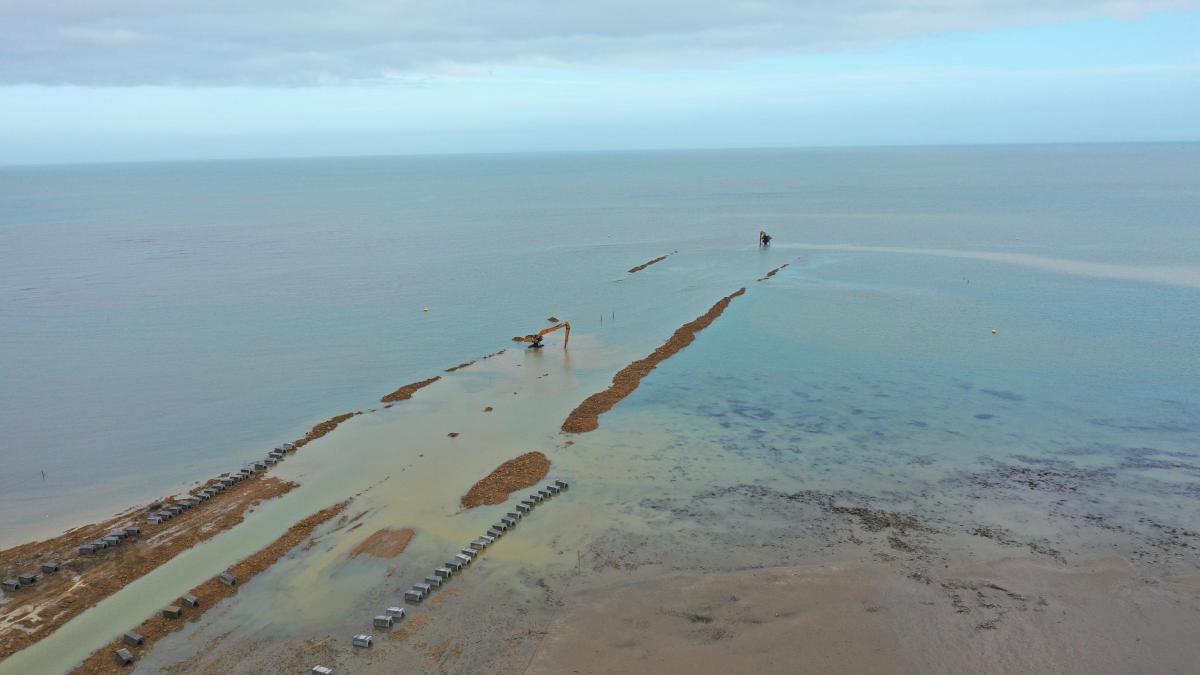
<point>866,619</point>
<point>639,268</point>
<point>385,543</point>
<point>210,593</point>
<point>515,474</point>
<point>84,580</point>
<point>404,393</point>
<point>586,416</point>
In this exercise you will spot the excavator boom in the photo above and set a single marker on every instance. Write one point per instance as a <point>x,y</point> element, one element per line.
<point>536,339</point>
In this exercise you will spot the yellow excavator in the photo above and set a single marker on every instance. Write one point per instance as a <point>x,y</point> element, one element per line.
<point>535,340</point>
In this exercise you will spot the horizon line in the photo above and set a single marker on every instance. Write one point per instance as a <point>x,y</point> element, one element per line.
<point>580,151</point>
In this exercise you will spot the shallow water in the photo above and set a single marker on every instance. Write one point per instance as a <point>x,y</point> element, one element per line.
<point>854,378</point>
<point>159,322</point>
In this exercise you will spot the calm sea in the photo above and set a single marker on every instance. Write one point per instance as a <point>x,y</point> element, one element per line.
<point>160,323</point>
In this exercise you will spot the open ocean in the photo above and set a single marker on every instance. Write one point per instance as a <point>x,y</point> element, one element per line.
<point>161,322</point>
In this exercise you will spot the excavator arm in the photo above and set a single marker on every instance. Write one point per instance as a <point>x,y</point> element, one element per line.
<point>536,339</point>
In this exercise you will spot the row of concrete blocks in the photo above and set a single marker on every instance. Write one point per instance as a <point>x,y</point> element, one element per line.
<point>135,639</point>
<point>52,566</point>
<point>463,558</point>
<point>467,555</point>
<point>112,540</point>
<point>158,517</point>
<point>220,484</point>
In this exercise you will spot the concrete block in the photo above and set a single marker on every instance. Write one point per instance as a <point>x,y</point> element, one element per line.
<point>133,638</point>
<point>191,600</point>
<point>172,611</point>
<point>382,621</point>
<point>124,656</point>
<point>362,640</point>
<point>227,578</point>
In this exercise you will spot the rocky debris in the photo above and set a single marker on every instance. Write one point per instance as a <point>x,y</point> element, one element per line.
<point>774,272</point>
<point>385,543</point>
<point>1061,477</point>
<point>988,602</point>
<point>454,368</point>
<point>324,428</point>
<point>515,474</point>
<point>586,416</point>
<point>875,520</point>
<point>404,393</point>
<point>639,268</point>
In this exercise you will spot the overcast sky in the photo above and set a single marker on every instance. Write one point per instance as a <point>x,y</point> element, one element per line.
<point>101,80</point>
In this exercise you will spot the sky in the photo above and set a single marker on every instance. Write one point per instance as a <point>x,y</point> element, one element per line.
<point>134,80</point>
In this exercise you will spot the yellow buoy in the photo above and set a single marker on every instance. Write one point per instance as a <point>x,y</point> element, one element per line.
<point>993,331</point>
<point>426,309</point>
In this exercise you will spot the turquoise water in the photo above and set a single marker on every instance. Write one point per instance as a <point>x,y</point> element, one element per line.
<point>163,322</point>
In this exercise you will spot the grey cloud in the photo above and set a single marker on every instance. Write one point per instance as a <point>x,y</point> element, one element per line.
<point>304,42</point>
